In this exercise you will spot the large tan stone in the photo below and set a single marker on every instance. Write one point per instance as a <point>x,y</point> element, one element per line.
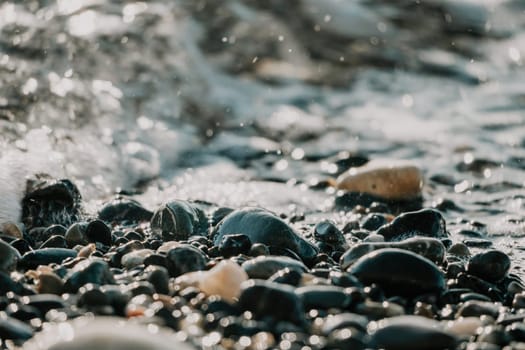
<point>389,179</point>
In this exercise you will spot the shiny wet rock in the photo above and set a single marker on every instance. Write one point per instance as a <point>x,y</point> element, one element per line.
<point>261,226</point>
<point>399,272</point>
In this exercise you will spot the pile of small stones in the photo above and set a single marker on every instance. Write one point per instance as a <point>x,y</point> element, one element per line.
<point>191,275</point>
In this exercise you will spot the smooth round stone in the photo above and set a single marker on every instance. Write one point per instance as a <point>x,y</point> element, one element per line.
<point>263,267</point>
<point>93,271</point>
<point>45,256</point>
<point>98,231</point>
<point>430,248</point>
<point>11,229</point>
<point>178,220</point>
<point>183,259</point>
<point>21,245</point>
<point>135,258</point>
<point>49,283</point>
<point>411,332</point>
<point>235,244</point>
<point>475,308</point>
<point>125,210</point>
<point>104,333</point>
<point>55,230</point>
<point>13,329</point>
<point>375,310</point>
<point>424,222</point>
<point>76,234</point>
<point>459,249</point>
<point>343,320</point>
<point>92,296</point>
<point>347,338</point>
<point>259,249</point>
<point>262,226</point>
<point>55,242</point>
<point>326,231</point>
<point>159,278</point>
<point>399,272</point>
<point>492,265</point>
<point>287,276</point>
<point>44,302</point>
<point>389,179</point>
<point>8,285</point>
<point>373,221</point>
<point>224,279</point>
<point>323,297</point>
<point>268,299</point>
<point>374,238</point>
<point>464,326</point>
<point>9,257</point>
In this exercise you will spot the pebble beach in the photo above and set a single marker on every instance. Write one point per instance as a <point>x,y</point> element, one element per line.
<point>246,175</point>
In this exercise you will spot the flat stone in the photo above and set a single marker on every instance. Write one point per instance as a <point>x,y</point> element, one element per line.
<point>389,179</point>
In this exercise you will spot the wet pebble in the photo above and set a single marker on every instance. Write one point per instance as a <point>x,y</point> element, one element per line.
<point>183,259</point>
<point>8,285</point>
<point>135,258</point>
<point>395,180</point>
<point>13,329</point>
<point>475,308</point>
<point>9,257</point>
<point>177,220</point>
<point>288,276</point>
<point>425,222</point>
<point>429,248</point>
<point>459,249</point>
<point>373,221</point>
<point>411,332</point>
<point>54,242</point>
<point>125,210</point>
<point>159,278</point>
<point>268,299</point>
<point>326,231</point>
<point>76,234</point>
<point>324,297</point>
<point>492,265</point>
<point>10,229</point>
<point>98,231</point>
<point>464,326</point>
<point>93,271</point>
<point>399,272</point>
<point>46,256</point>
<point>235,244</point>
<point>343,320</point>
<point>261,226</point>
<point>264,267</point>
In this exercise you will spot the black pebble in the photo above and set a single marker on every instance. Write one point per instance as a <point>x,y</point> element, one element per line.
<point>98,231</point>
<point>492,265</point>
<point>235,244</point>
<point>268,299</point>
<point>425,222</point>
<point>185,258</point>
